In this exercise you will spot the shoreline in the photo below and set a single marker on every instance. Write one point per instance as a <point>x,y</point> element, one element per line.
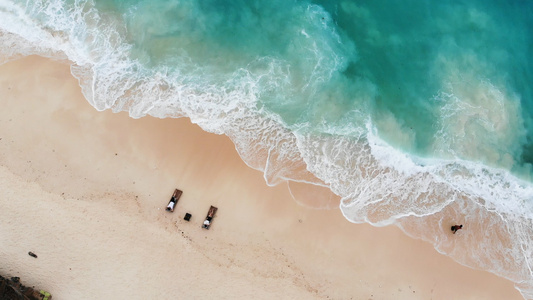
<point>98,184</point>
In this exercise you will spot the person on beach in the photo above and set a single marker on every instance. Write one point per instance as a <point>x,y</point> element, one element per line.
<point>456,227</point>
<point>170,206</point>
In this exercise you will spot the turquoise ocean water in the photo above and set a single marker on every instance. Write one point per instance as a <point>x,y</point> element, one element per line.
<point>416,113</point>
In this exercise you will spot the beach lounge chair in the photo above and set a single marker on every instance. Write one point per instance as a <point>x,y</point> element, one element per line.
<point>173,200</point>
<point>210,215</point>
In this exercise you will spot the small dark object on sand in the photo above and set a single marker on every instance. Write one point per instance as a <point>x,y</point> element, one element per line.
<point>187,217</point>
<point>32,254</point>
<point>456,227</point>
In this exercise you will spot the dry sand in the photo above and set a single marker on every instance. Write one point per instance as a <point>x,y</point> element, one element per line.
<point>86,192</point>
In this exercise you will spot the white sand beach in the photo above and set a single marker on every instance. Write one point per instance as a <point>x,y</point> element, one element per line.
<point>86,192</point>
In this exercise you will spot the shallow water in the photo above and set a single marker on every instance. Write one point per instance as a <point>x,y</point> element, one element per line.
<point>416,113</point>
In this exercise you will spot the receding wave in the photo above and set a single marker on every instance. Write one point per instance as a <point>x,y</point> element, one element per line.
<point>304,115</point>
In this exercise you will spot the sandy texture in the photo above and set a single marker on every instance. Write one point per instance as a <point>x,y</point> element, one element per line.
<point>86,192</point>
